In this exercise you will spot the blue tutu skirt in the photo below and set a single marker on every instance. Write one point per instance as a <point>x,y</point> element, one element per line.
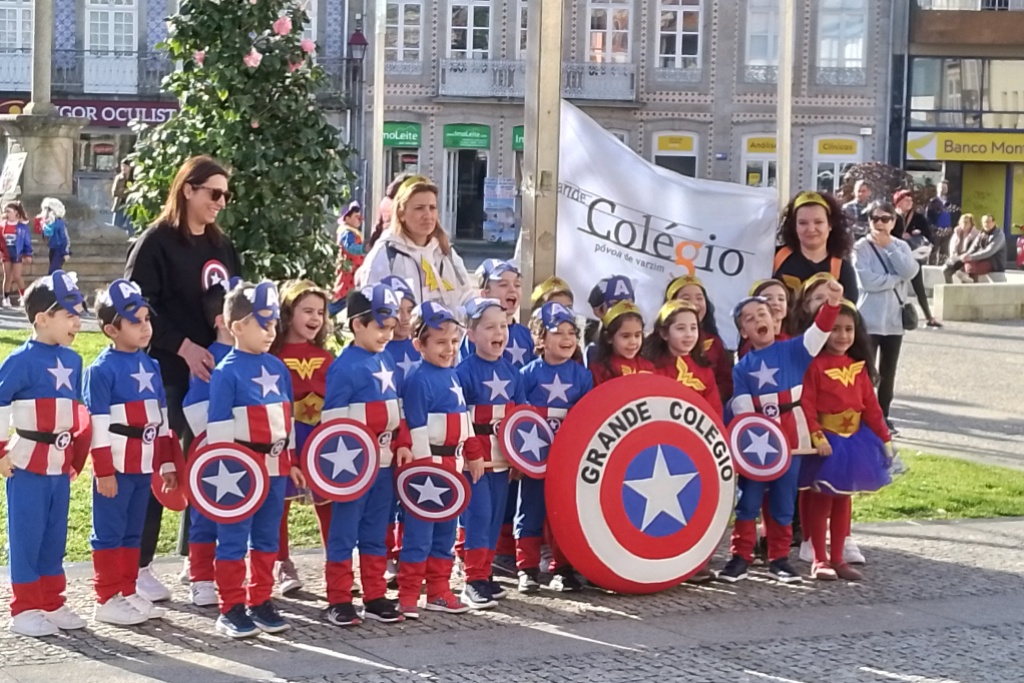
<point>858,463</point>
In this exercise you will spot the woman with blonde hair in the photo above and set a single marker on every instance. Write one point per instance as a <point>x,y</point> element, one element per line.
<point>964,236</point>
<point>416,248</point>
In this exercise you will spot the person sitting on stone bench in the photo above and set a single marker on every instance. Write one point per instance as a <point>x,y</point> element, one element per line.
<point>987,255</point>
<point>960,244</point>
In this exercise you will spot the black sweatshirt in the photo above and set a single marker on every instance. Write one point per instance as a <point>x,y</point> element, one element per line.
<point>173,272</point>
<point>799,267</point>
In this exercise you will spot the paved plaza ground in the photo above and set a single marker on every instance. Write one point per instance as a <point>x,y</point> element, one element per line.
<point>943,603</point>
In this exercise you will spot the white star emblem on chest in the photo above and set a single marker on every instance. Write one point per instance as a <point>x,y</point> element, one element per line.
<point>557,389</point>
<point>498,386</point>
<point>144,379</point>
<point>267,382</point>
<point>406,364</point>
<point>516,353</point>
<point>385,377</point>
<point>61,376</point>
<point>765,375</point>
<point>456,389</point>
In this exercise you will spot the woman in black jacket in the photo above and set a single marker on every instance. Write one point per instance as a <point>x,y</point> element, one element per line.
<point>181,255</point>
<point>909,224</point>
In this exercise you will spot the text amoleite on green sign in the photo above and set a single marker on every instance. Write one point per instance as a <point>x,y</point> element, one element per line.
<point>402,134</point>
<point>467,136</point>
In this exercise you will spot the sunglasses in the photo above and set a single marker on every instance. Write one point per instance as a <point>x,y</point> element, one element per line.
<point>215,192</point>
<point>881,219</point>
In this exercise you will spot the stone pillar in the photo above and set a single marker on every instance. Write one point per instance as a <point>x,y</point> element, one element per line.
<point>42,59</point>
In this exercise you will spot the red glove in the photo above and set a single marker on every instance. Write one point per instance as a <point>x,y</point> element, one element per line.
<point>474,449</point>
<point>404,438</point>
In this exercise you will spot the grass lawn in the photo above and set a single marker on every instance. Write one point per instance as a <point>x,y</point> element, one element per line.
<point>87,344</point>
<point>935,487</point>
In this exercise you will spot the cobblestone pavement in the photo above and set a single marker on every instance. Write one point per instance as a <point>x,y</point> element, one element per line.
<point>943,602</point>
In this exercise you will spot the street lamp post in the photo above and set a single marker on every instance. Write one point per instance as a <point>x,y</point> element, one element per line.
<point>357,45</point>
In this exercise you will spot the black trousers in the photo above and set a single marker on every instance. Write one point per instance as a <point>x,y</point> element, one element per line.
<point>922,297</point>
<point>887,355</point>
<point>155,511</point>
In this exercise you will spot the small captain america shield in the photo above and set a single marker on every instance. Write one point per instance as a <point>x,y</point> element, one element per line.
<point>214,273</point>
<point>525,439</point>
<point>340,459</point>
<point>759,447</point>
<point>227,482</point>
<point>176,499</point>
<point>644,487</point>
<point>431,493</point>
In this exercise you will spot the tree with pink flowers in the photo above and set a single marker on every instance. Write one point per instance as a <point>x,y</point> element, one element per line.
<point>247,90</point>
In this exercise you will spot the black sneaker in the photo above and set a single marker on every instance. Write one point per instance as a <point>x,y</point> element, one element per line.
<point>892,428</point>
<point>734,570</point>
<point>268,618</point>
<point>565,581</point>
<point>477,595</point>
<point>783,572</point>
<point>934,323</point>
<point>342,614</point>
<point>528,581</point>
<point>498,591</point>
<point>382,610</point>
<point>237,624</point>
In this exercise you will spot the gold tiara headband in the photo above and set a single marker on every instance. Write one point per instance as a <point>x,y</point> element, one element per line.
<point>674,306</point>
<point>805,198</point>
<point>619,309</point>
<point>290,295</point>
<point>679,283</point>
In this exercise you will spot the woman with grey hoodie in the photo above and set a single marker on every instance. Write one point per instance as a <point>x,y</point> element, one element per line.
<point>885,266</point>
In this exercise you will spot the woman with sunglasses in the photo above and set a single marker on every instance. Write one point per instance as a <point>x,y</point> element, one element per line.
<point>181,255</point>
<point>814,238</point>
<point>885,266</point>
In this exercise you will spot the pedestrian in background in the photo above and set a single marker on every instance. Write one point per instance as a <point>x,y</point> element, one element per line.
<point>855,208</point>
<point>119,193</point>
<point>885,268</point>
<point>960,244</point>
<point>17,242</point>
<point>987,255</point>
<point>942,215</point>
<point>912,227</point>
<point>55,232</point>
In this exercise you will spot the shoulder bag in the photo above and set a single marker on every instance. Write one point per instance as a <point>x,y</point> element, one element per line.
<point>909,313</point>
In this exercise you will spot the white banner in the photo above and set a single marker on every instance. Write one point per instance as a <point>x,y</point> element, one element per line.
<point>619,214</point>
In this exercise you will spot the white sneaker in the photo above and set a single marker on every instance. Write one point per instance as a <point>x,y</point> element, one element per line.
<point>119,612</point>
<point>145,607</point>
<point>204,593</point>
<point>64,619</point>
<point>149,587</point>
<point>6,303</point>
<point>32,623</point>
<point>287,577</point>
<point>806,552</point>
<point>391,571</point>
<point>851,553</point>
<point>185,577</point>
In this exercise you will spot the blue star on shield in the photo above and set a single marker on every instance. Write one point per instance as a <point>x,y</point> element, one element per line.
<point>226,482</point>
<point>760,447</point>
<point>661,490</point>
<point>531,442</point>
<point>341,459</point>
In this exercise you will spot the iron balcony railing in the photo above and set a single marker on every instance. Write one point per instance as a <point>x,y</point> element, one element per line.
<point>506,78</point>
<point>996,5</point>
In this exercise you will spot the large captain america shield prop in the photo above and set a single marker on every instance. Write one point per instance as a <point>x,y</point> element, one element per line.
<point>226,482</point>
<point>341,460</point>
<point>759,447</point>
<point>431,493</point>
<point>525,440</point>
<point>645,484</point>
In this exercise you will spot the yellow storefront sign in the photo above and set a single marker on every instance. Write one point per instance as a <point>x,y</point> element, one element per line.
<point>675,143</point>
<point>760,145</point>
<point>840,147</point>
<point>941,146</point>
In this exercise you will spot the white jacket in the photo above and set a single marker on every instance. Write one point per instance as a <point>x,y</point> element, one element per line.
<point>441,279</point>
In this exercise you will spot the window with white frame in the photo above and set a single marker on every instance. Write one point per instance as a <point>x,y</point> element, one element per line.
<point>524,11</point>
<point>762,46</point>
<point>403,38</point>
<point>679,34</point>
<point>469,29</point>
<point>842,34</point>
<point>608,26</point>
<point>111,26</point>
<point>310,8</point>
<point>15,25</point>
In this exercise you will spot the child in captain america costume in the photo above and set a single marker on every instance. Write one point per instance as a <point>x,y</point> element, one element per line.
<point>553,383</point>
<point>492,387</point>
<point>404,357</point>
<point>501,280</point>
<point>305,329</point>
<point>40,390</point>
<point>124,392</point>
<point>769,380</point>
<point>202,531</point>
<point>361,386</point>
<point>251,404</point>
<point>435,411</point>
